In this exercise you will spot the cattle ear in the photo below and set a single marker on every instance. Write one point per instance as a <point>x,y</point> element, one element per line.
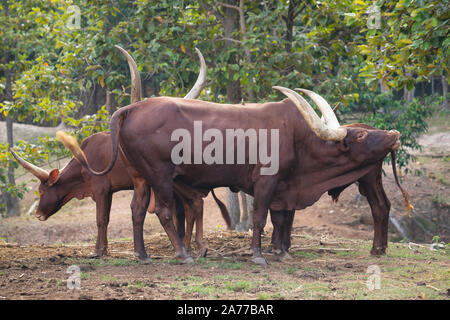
<point>342,145</point>
<point>53,177</point>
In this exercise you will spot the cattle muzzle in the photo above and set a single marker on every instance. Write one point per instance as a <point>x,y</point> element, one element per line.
<point>396,137</point>
<point>40,216</point>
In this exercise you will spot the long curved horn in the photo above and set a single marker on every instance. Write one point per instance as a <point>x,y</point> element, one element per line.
<point>322,130</point>
<point>336,108</point>
<point>327,112</point>
<point>39,173</point>
<point>200,83</point>
<point>136,87</point>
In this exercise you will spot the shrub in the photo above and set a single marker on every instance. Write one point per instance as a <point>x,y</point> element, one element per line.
<point>408,118</point>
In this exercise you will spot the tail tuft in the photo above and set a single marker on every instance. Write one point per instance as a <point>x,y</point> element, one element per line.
<point>71,143</point>
<point>406,198</point>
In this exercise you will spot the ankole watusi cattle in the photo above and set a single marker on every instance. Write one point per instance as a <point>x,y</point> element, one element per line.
<point>57,188</point>
<point>314,156</point>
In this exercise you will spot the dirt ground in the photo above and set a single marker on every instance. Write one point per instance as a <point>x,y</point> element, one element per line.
<point>330,250</point>
<point>320,268</point>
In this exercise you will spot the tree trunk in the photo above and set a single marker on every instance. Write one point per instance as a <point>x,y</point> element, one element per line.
<point>432,85</point>
<point>444,91</point>
<point>11,202</point>
<point>233,96</point>
<point>383,88</point>
<point>234,17</point>
<point>289,20</point>
<point>109,105</point>
<point>233,208</point>
<point>408,95</point>
<point>244,216</point>
<point>250,212</point>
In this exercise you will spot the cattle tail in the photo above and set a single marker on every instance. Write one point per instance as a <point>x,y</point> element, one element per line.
<point>406,198</point>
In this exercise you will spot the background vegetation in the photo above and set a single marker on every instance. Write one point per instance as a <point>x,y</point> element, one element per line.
<point>385,61</point>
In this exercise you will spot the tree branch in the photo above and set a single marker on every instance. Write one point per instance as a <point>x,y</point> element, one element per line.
<point>228,39</point>
<point>228,5</point>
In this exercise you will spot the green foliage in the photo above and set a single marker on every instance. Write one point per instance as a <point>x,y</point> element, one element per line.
<point>409,119</point>
<point>30,152</point>
<point>412,39</point>
<point>90,124</point>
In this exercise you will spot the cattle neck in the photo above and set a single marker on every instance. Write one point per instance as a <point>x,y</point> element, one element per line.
<point>323,165</point>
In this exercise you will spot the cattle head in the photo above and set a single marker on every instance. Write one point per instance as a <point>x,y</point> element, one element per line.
<point>356,145</point>
<point>365,143</point>
<point>50,198</point>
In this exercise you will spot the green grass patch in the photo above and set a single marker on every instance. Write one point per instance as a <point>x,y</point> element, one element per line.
<point>401,251</point>
<point>102,262</point>
<point>85,276</point>
<point>137,285</point>
<point>306,255</point>
<point>224,264</point>
<point>264,296</point>
<point>240,285</point>
<point>107,278</point>
<point>290,270</point>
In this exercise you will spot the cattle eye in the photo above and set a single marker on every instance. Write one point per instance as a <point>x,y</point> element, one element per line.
<point>361,135</point>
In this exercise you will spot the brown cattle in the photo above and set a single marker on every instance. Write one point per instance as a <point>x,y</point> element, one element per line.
<point>370,186</point>
<point>57,188</point>
<point>314,156</point>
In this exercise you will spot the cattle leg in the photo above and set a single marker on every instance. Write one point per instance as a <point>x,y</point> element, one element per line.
<point>281,235</point>
<point>165,218</point>
<point>288,221</point>
<point>139,204</point>
<point>162,186</point>
<point>164,204</point>
<point>190,220</point>
<point>277,219</point>
<point>263,192</point>
<point>103,207</point>
<point>198,214</point>
<point>371,186</point>
<point>179,217</point>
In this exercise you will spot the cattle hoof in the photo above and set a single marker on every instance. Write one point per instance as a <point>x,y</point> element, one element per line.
<point>276,251</point>
<point>259,260</point>
<point>379,251</point>
<point>140,256</point>
<point>203,252</point>
<point>283,256</point>
<point>187,260</point>
<point>147,260</point>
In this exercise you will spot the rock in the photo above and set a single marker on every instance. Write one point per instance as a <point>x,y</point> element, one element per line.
<point>86,268</point>
<point>331,267</point>
<point>348,265</point>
